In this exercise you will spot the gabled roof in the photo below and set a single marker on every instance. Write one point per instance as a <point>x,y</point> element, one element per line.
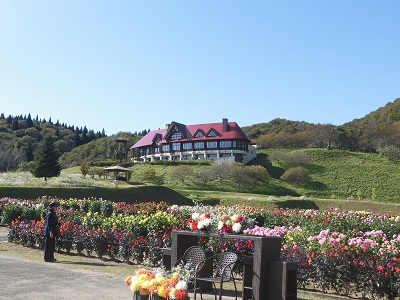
<point>117,169</point>
<point>179,126</point>
<point>233,132</point>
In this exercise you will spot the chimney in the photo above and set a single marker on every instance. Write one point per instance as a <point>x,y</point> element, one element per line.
<point>224,124</point>
<point>166,126</point>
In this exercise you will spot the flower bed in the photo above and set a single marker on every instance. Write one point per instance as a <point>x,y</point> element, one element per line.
<point>347,252</point>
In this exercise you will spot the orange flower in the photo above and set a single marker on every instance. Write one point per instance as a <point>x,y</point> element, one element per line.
<point>174,280</point>
<point>143,291</point>
<point>181,295</point>
<point>128,280</point>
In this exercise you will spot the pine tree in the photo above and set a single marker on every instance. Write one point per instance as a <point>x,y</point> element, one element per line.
<point>46,160</point>
<point>29,122</point>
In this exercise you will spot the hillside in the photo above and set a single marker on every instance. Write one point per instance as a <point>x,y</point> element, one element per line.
<point>335,174</point>
<point>21,135</point>
<point>372,133</point>
<point>346,174</point>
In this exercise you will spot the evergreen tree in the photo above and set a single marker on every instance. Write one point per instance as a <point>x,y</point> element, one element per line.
<point>9,119</point>
<point>15,125</point>
<point>46,160</point>
<point>29,152</point>
<point>29,122</point>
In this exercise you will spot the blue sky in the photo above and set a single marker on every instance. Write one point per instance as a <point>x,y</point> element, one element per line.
<point>134,65</point>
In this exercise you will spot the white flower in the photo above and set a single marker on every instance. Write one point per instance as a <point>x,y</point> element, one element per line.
<point>195,216</point>
<point>220,225</point>
<point>181,285</point>
<point>236,227</point>
<point>204,223</point>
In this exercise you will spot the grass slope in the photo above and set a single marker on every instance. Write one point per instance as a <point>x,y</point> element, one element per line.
<point>346,174</point>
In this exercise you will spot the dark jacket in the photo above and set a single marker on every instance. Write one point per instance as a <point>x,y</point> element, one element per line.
<point>51,223</point>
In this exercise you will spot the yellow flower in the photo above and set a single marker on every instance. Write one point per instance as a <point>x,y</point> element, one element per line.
<point>135,285</point>
<point>143,277</point>
<point>161,291</point>
<point>235,217</point>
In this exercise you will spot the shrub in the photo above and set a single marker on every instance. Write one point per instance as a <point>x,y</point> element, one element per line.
<point>10,213</point>
<point>297,175</point>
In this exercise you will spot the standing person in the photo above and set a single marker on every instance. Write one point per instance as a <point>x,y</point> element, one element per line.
<point>51,232</point>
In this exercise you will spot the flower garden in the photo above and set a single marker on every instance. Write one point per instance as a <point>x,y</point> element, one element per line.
<point>350,253</point>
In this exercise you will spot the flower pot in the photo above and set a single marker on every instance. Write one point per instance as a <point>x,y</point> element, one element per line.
<point>157,297</point>
<point>137,296</point>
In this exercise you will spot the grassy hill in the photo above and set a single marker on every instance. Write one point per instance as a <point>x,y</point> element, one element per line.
<point>349,180</point>
<point>334,174</point>
<point>346,174</point>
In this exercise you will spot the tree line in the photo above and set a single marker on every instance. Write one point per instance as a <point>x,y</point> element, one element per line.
<point>377,132</point>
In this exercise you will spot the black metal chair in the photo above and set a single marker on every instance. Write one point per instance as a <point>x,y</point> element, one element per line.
<point>223,264</point>
<point>195,257</point>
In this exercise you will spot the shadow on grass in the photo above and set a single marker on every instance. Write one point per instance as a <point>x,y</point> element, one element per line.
<point>276,172</point>
<point>298,204</point>
<point>316,186</point>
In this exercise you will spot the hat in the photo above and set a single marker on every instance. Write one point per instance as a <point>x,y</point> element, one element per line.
<point>53,205</point>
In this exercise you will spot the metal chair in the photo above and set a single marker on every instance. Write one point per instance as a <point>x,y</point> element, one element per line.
<point>223,264</point>
<point>195,257</point>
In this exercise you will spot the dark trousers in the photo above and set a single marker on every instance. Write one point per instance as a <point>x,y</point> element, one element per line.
<point>49,247</point>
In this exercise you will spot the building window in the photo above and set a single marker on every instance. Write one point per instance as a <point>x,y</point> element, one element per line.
<point>212,155</point>
<point>241,145</point>
<point>212,145</point>
<point>187,146</point>
<point>225,155</point>
<point>165,148</point>
<point>176,147</point>
<point>198,145</point>
<point>176,135</point>
<point>186,157</point>
<point>199,156</point>
<point>199,133</point>
<point>225,144</point>
<point>212,133</point>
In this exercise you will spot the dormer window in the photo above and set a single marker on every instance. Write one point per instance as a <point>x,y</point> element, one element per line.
<point>211,133</point>
<point>199,133</point>
<point>176,135</point>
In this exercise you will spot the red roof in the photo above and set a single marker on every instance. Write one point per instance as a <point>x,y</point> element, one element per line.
<point>234,132</point>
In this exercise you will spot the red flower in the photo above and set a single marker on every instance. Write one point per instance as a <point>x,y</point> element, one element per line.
<point>194,226</point>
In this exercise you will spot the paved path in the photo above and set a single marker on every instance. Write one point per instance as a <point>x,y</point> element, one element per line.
<point>31,280</point>
<point>34,280</point>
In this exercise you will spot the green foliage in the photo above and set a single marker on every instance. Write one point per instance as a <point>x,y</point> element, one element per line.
<point>9,214</point>
<point>24,133</point>
<point>149,175</point>
<point>46,160</point>
<point>84,168</point>
<point>106,208</point>
<point>344,173</point>
<point>296,175</point>
<point>181,173</point>
<point>95,206</point>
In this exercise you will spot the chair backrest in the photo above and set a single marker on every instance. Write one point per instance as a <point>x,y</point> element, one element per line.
<point>194,255</point>
<point>225,263</point>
